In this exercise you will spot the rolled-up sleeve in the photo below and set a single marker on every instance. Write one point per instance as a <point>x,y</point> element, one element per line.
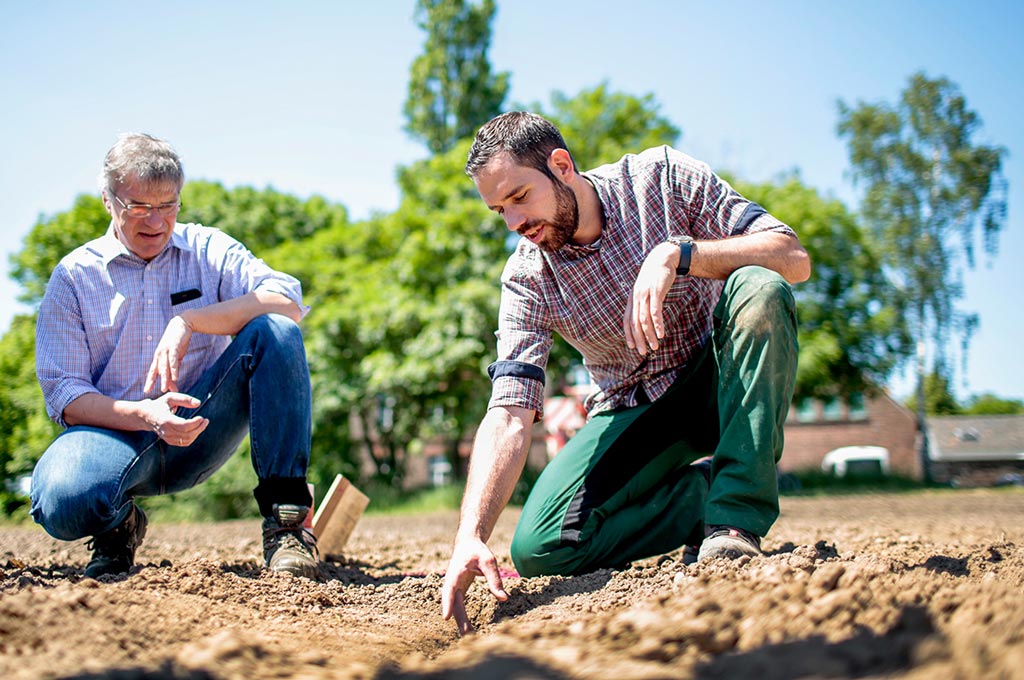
<point>242,272</point>
<point>524,343</point>
<point>62,349</point>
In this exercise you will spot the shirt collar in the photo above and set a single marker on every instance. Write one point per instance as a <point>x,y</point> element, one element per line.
<point>110,247</point>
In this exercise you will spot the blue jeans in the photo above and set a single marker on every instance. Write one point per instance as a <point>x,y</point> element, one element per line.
<point>85,481</point>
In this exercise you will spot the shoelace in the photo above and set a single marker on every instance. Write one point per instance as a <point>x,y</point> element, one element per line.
<point>298,536</point>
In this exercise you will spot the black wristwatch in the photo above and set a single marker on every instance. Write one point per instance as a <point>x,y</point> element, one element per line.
<point>686,248</point>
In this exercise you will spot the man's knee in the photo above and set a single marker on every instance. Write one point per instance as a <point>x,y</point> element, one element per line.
<point>759,299</point>
<point>278,327</point>
<point>535,557</point>
<point>59,499</point>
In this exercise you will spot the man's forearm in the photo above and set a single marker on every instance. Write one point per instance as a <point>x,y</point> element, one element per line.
<point>779,252</point>
<point>230,316</point>
<point>499,454</point>
<point>100,410</point>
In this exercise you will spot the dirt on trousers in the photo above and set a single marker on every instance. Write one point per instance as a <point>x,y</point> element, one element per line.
<point>924,585</point>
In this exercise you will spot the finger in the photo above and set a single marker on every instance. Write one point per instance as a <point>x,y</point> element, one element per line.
<point>162,370</point>
<point>489,569</point>
<point>182,399</point>
<point>172,365</point>
<point>654,329</point>
<point>151,376</point>
<point>193,427</point>
<point>627,322</point>
<point>461,617</point>
<point>657,318</point>
<point>638,328</point>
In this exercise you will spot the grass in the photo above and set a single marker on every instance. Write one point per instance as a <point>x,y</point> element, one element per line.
<point>390,501</point>
<point>816,483</point>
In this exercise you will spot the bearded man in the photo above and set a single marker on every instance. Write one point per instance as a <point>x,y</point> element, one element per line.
<point>676,292</point>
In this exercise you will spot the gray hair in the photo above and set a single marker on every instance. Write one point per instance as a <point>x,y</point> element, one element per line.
<point>140,157</point>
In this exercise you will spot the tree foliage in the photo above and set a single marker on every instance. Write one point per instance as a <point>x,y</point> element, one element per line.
<point>452,89</point>
<point>25,429</point>
<point>852,331</point>
<point>928,188</point>
<point>50,239</point>
<point>989,404</point>
<point>939,399</point>
<point>260,218</point>
<point>600,125</point>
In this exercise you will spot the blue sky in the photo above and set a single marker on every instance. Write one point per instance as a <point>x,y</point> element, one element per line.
<point>307,97</point>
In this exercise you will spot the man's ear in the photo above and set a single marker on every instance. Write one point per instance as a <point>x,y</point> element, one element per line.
<point>561,165</point>
<point>105,197</point>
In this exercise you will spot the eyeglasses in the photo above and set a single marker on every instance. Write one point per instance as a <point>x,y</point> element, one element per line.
<point>146,209</point>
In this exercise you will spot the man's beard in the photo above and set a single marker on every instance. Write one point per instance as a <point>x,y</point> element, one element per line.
<point>563,224</point>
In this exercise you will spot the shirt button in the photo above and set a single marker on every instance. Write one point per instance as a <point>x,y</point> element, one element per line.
<point>149,337</point>
<point>149,302</point>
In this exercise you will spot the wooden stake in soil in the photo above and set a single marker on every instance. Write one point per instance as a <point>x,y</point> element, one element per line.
<point>337,516</point>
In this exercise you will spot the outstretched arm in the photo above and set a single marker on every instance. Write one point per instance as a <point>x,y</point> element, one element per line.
<point>499,454</point>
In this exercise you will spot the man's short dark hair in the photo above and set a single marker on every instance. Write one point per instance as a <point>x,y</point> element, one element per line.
<point>528,138</point>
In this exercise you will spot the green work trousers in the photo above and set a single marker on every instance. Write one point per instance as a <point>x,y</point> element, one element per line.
<point>623,488</point>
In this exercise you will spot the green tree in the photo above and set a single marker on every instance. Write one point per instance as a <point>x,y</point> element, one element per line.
<point>260,218</point>
<point>50,239</point>
<point>989,404</point>
<point>852,332</point>
<point>25,429</point>
<point>928,188</point>
<point>600,125</point>
<point>938,398</point>
<point>452,90</point>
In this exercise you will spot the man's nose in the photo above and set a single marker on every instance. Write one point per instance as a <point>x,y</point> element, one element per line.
<point>513,219</point>
<point>154,219</point>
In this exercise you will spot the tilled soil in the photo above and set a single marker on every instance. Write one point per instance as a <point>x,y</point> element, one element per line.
<point>926,585</point>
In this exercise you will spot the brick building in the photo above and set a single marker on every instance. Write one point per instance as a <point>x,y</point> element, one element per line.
<point>815,427</point>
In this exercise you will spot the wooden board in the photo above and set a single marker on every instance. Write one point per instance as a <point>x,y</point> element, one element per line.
<point>337,516</point>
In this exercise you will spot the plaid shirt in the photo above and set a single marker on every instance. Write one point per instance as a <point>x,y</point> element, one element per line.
<point>106,309</point>
<point>580,292</point>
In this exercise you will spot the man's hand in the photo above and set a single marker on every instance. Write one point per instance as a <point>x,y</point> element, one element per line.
<point>470,558</point>
<point>176,431</point>
<point>643,320</point>
<point>167,357</point>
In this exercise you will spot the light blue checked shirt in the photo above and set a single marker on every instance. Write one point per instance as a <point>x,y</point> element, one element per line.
<point>580,291</point>
<point>106,309</point>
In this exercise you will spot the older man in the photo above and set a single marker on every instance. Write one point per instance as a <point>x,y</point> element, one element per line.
<point>136,360</point>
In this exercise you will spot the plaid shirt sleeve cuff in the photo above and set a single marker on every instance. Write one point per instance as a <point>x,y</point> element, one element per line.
<point>516,391</point>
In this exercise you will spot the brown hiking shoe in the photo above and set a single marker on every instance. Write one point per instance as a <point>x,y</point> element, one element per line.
<point>287,545</point>
<point>114,550</point>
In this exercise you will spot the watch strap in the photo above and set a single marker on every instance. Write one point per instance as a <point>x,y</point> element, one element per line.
<point>685,254</point>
